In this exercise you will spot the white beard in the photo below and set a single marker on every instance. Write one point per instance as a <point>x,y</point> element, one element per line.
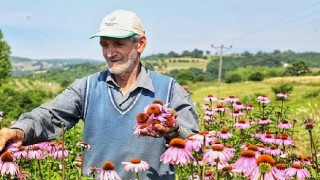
<point>126,67</point>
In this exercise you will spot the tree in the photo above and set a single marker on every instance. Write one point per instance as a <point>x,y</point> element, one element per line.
<point>298,69</point>
<point>5,65</point>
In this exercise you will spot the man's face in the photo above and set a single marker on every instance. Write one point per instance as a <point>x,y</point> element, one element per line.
<point>121,54</point>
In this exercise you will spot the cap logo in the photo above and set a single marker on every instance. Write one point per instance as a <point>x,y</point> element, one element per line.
<point>110,23</point>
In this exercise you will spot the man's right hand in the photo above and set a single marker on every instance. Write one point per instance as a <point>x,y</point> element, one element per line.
<point>10,136</point>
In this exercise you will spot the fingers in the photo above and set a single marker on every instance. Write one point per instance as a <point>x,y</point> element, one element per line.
<point>10,136</point>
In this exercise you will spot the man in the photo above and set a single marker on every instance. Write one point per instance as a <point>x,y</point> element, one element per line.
<point>109,102</point>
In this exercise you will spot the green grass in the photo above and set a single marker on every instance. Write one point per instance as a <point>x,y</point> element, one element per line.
<point>303,101</point>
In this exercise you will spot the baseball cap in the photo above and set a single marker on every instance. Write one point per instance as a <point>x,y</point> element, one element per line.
<point>120,24</point>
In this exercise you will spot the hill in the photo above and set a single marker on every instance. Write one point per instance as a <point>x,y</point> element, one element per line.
<point>26,66</point>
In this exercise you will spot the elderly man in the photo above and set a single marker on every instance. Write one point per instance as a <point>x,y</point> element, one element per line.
<point>109,101</point>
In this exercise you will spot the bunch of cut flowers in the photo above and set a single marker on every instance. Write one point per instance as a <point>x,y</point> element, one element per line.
<point>155,114</point>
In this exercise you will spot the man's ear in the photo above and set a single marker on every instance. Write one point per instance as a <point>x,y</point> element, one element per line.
<point>142,44</point>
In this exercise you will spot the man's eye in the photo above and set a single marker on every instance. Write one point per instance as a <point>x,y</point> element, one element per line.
<point>103,45</point>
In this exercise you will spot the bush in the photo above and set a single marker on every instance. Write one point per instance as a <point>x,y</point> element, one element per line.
<point>257,76</point>
<point>232,78</point>
<point>282,88</point>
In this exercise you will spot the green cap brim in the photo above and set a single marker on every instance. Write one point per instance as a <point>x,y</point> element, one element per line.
<point>113,36</point>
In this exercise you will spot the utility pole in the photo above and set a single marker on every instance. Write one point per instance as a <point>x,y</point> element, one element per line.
<point>221,49</point>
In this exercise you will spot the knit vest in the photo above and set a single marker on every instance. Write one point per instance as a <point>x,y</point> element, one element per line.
<point>109,130</point>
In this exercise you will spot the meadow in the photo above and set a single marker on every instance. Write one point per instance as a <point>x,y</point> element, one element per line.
<point>301,104</point>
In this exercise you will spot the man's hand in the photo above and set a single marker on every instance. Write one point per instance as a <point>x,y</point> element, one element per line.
<point>10,136</point>
<point>167,132</point>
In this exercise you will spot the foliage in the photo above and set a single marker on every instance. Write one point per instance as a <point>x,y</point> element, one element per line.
<point>257,76</point>
<point>298,69</point>
<point>233,77</point>
<point>282,88</point>
<point>67,76</point>
<point>5,65</point>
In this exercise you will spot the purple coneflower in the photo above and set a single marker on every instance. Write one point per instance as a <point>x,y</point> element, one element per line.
<point>107,172</point>
<point>236,113</point>
<point>20,152</point>
<point>220,108</point>
<point>274,151</point>
<point>217,153</point>
<point>224,134</point>
<point>210,98</point>
<point>92,171</point>
<point>263,100</point>
<point>136,165</point>
<point>267,138</point>
<point>35,152</point>
<point>222,101</point>
<point>246,162</point>
<point>284,124</point>
<point>264,120</point>
<point>249,107</point>
<point>84,145</point>
<point>61,153</point>
<point>242,124</point>
<point>7,165</point>
<point>193,144</point>
<point>297,171</point>
<point>284,139</point>
<point>265,169</point>
<point>282,95</point>
<point>204,106</point>
<point>238,105</point>
<point>177,153</point>
<point>232,99</point>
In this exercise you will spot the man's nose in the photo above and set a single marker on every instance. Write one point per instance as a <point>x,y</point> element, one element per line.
<point>110,52</point>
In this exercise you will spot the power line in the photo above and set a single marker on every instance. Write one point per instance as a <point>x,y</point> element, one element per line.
<point>221,50</point>
<point>282,22</point>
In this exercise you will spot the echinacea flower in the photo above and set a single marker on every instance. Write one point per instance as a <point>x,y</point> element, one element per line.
<point>224,134</point>
<point>92,171</point>
<point>238,105</point>
<point>177,153</point>
<point>264,120</point>
<point>282,95</point>
<point>35,152</point>
<point>263,100</point>
<point>284,139</point>
<point>210,98</point>
<point>246,162</point>
<point>297,170</point>
<point>136,165</point>
<point>232,99</point>
<point>274,151</point>
<point>284,124</point>
<point>217,153</point>
<point>7,165</point>
<point>267,138</point>
<point>242,124</point>
<point>265,170</point>
<point>84,145</point>
<point>107,172</point>
<point>60,153</point>
<point>193,144</point>
<point>20,152</point>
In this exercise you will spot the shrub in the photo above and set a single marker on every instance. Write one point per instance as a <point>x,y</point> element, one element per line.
<point>232,78</point>
<point>282,88</point>
<point>257,76</point>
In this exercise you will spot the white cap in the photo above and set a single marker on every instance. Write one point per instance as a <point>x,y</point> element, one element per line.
<point>120,24</point>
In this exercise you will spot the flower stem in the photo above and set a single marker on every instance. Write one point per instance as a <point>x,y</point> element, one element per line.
<point>39,167</point>
<point>137,175</point>
<point>62,159</point>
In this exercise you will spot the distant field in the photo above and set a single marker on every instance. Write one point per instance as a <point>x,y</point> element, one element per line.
<point>169,64</point>
<point>304,101</point>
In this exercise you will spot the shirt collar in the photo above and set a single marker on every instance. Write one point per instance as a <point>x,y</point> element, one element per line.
<point>143,80</point>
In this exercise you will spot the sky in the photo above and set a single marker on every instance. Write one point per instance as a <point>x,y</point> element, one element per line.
<point>42,29</point>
